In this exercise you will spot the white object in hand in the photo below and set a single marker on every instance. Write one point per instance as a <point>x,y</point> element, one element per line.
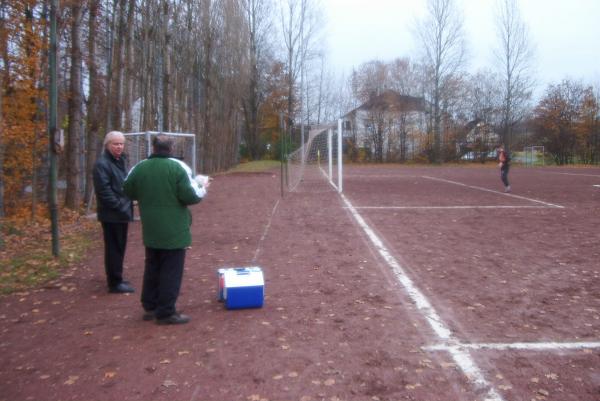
<point>202,180</point>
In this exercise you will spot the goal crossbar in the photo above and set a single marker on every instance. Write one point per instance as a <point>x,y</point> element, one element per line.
<point>139,146</point>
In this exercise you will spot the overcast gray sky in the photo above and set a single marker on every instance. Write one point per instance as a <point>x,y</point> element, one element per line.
<point>565,34</point>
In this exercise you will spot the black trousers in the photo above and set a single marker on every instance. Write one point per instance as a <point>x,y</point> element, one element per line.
<point>504,176</point>
<point>115,242</point>
<point>163,272</point>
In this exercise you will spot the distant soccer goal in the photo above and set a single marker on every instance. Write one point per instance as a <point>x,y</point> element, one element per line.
<point>138,146</point>
<point>322,150</point>
<point>534,155</point>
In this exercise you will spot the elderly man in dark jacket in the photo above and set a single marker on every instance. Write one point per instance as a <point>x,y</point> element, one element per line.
<point>115,210</point>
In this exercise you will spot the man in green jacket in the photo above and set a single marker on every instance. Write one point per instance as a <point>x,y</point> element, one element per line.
<point>163,187</point>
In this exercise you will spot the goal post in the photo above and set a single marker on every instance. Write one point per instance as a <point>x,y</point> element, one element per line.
<point>534,155</point>
<point>138,146</point>
<point>323,150</point>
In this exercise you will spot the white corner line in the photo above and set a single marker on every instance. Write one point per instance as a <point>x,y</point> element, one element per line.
<point>495,192</point>
<point>527,346</point>
<point>461,357</point>
<point>453,207</point>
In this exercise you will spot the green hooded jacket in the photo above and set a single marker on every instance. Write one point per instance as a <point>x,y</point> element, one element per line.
<point>163,187</point>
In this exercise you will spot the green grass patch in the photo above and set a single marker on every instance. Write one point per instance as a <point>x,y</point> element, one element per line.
<point>255,166</point>
<point>31,263</point>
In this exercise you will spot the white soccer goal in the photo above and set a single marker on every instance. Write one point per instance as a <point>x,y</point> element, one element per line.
<point>323,150</point>
<point>138,146</point>
<point>534,155</point>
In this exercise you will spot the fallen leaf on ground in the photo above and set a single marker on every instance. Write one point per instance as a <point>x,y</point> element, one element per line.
<point>71,380</point>
<point>543,392</point>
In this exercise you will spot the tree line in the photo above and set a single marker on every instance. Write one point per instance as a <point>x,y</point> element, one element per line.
<point>224,70</point>
<point>565,120</point>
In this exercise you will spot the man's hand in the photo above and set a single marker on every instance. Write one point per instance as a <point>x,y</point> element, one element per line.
<point>203,180</point>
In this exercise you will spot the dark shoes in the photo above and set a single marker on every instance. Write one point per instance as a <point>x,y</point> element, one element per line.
<point>176,318</point>
<point>121,288</point>
<point>148,315</point>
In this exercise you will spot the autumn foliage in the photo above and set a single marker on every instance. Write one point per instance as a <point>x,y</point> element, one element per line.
<point>567,123</point>
<point>24,139</point>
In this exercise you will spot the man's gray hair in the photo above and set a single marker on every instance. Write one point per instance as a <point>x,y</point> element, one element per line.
<point>111,136</point>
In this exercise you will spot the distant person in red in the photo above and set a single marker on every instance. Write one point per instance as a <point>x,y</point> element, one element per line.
<point>504,164</point>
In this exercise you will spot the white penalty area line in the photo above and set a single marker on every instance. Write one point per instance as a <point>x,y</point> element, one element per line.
<point>495,192</point>
<point>581,175</point>
<point>451,207</point>
<point>525,346</point>
<point>265,231</point>
<point>461,356</point>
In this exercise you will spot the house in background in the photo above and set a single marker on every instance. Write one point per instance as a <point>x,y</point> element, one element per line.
<point>389,127</point>
<point>480,142</point>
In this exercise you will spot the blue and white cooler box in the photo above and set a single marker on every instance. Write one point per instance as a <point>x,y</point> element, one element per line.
<point>241,287</point>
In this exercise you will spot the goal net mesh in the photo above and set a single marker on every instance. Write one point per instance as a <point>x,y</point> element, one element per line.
<point>317,158</point>
<point>138,146</point>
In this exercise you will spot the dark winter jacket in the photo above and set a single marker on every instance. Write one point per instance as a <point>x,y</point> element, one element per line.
<point>163,187</point>
<point>113,206</point>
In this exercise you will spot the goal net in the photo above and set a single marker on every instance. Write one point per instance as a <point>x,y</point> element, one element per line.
<point>534,155</point>
<point>323,152</point>
<point>138,146</point>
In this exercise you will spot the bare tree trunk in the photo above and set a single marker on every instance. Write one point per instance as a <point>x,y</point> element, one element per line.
<point>73,195</point>
<point>2,213</point>
<point>515,56</point>
<point>441,34</point>
<point>93,118</point>
<point>116,102</point>
<point>207,37</point>
<point>128,68</point>
<point>109,66</point>
<point>165,57</point>
<point>3,82</point>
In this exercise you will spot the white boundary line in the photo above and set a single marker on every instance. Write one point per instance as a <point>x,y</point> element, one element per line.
<point>581,175</point>
<point>452,207</point>
<point>518,346</point>
<point>262,238</point>
<point>461,356</point>
<point>495,192</point>
<point>458,351</point>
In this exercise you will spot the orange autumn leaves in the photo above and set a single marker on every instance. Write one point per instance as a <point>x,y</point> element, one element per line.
<point>23,139</point>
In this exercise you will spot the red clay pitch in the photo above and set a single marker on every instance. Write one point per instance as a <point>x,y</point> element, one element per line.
<point>337,324</point>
